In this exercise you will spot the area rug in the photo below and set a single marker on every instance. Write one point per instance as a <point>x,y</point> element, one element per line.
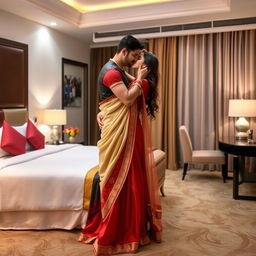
<point>200,218</point>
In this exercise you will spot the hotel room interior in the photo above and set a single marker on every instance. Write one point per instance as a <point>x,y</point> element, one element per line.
<point>202,134</point>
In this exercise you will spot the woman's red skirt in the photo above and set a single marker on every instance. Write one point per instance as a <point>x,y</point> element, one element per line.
<point>126,226</point>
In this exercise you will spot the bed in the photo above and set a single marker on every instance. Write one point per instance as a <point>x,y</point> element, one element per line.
<point>43,189</point>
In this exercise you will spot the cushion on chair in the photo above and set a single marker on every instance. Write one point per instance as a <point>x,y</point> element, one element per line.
<point>208,157</point>
<point>160,161</point>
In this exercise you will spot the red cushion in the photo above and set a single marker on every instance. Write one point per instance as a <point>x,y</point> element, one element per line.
<point>12,141</point>
<point>34,136</point>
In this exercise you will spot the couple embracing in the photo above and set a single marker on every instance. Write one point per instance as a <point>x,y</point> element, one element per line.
<point>127,211</point>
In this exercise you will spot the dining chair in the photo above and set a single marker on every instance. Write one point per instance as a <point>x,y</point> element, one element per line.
<point>191,156</point>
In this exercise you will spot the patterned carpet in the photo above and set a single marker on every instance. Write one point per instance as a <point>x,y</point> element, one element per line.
<point>199,215</point>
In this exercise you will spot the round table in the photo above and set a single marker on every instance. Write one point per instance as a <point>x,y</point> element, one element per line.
<point>239,149</point>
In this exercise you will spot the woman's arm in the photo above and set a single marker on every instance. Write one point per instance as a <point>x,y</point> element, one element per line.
<point>130,77</point>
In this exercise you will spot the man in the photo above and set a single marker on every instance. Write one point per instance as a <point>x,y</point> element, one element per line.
<point>112,73</point>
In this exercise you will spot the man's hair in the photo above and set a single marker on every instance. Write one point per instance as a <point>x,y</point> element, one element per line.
<point>130,43</point>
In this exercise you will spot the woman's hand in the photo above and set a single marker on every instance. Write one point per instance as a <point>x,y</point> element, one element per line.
<point>100,120</point>
<point>142,72</point>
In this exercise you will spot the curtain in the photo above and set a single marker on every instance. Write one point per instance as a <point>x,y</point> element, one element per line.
<point>213,68</point>
<point>99,56</point>
<point>163,127</point>
<point>235,79</point>
<point>235,75</point>
<point>195,83</point>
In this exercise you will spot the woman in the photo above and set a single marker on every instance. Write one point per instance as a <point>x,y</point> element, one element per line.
<point>150,82</point>
<point>128,213</point>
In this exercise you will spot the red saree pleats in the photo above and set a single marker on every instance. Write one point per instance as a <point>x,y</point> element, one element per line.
<point>125,228</point>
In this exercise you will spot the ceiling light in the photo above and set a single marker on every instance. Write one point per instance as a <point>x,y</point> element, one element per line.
<point>53,24</point>
<point>110,5</point>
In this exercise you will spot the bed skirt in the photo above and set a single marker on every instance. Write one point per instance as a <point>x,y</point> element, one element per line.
<point>23,220</point>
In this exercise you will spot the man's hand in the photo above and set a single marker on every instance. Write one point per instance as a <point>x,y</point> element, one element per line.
<point>100,120</point>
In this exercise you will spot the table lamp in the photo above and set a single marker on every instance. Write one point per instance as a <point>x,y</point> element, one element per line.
<point>55,117</point>
<point>241,109</point>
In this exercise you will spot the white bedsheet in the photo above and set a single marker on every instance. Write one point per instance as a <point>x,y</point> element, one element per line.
<point>47,179</point>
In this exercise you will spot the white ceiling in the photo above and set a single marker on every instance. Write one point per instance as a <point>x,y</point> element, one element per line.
<point>82,24</point>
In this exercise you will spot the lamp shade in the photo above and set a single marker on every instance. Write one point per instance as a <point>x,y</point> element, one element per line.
<point>55,116</point>
<point>242,108</point>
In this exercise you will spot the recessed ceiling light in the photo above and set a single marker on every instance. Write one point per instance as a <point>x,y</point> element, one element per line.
<point>53,24</point>
<point>83,8</point>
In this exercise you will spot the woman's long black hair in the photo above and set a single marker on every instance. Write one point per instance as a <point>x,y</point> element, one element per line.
<point>151,62</point>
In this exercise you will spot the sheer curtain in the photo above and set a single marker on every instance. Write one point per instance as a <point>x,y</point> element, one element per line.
<point>235,79</point>
<point>213,68</point>
<point>195,83</point>
<point>235,74</point>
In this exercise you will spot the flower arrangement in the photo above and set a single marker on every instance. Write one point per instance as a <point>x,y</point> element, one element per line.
<point>71,131</point>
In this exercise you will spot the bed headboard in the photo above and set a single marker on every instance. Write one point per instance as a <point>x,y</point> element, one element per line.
<point>14,74</point>
<point>14,82</point>
<point>15,116</point>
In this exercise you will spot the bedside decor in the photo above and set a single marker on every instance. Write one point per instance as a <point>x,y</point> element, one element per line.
<point>71,132</point>
<point>242,108</point>
<point>55,117</point>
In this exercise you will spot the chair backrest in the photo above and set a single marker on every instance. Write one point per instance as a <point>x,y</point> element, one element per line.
<point>186,144</point>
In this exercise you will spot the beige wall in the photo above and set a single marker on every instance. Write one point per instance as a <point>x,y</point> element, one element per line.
<point>46,47</point>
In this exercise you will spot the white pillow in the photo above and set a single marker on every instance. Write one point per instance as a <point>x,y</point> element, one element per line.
<point>22,130</point>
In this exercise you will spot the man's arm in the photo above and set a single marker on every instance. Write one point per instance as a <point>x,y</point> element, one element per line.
<point>126,96</point>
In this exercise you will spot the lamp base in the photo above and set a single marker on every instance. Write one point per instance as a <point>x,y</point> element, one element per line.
<point>242,127</point>
<point>241,136</point>
<point>55,135</point>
